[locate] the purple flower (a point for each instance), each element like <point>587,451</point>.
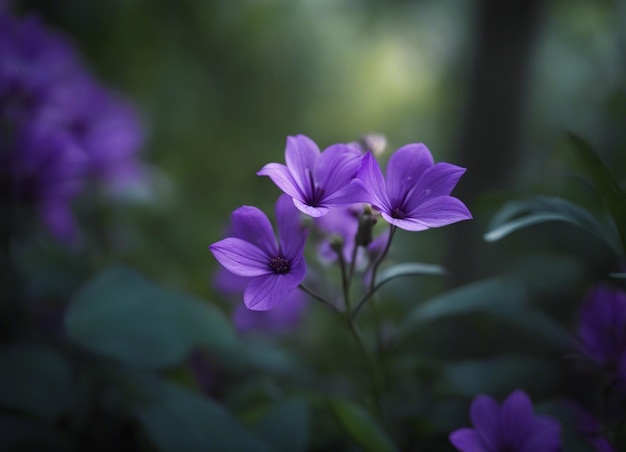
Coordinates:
<point>510,428</point>
<point>602,330</point>
<point>416,193</point>
<point>591,429</point>
<point>61,129</point>
<point>282,318</point>
<point>274,269</point>
<point>315,180</point>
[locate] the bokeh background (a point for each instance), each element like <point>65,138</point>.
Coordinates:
<point>491,86</point>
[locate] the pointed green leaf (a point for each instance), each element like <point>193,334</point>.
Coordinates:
<point>409,269</point>
<point>492,295</point>
<point>122,315</point>
<point>606,185</point>
<point>285,426</point>
<point>520,214</point>
<point>497,376</point>
<point>361,426</point>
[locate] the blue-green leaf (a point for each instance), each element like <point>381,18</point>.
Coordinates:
<point>122,315</point>
<point>606,185</point>
<point>497,376</point>
<point>285,426</point>
<point>618,275</point>
<point>408,269</point>
<point>520,214</point>
<point>492,295</point>
<point>176,418</point>
<point>36,381</point>
<point>361,426</point>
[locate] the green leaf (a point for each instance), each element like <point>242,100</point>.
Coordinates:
<point>36,381</point>
<point>409,269</point>
<point>606,185</point>
<point>122,315</point>
<point>520,214</point>
<point>175,418</point>
<point>285,426</point>
<point>497,376</point>
<point>492,295</point>
<point>361,426</point>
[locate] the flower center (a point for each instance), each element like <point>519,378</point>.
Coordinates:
<point>397,213</point>
<point>279,265</point>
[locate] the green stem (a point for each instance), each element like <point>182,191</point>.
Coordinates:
<point>319,298</point>
<point>373,286</point>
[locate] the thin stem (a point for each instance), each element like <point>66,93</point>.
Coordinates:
<point>319,298</point>
<point>371,366</point>
<point>345,280</point>
<point>373,286</point>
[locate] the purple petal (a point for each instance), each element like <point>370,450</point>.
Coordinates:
<point>405,167</point>
<point>439,180</point>
<point>290,229</point>
<point>227,283</point>
<point>284,317</point>
<point>485,415</point>
<point>336,167</point>
<point>408,224</point>
<point>252,225</point>
<point>241,257</point>
<point>310,210</point>
<point>283,179</point>
<point>516,418</point>
<point>370,180</point>
<point>301,153</point>
<point>267,291</point>
<point>59,219</point>
<point>440,211</point>
<point>545,436</point>
<point>352,193</point>
<point>468,440</point>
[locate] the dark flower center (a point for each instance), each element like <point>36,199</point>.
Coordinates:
<point>398,213</point>
<point>279,265</point>
<point>316,193</point>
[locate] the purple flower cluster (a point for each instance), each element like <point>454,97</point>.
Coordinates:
<point>602,330</point>
<point>327,185</point>
<point>512,427</point>
<point>61,129</point>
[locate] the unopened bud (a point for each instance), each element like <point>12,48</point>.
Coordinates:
<point>336,243</point>
<point>364,234</point>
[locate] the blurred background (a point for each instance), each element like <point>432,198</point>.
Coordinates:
<point>220,85</point>
<point>490,86</point>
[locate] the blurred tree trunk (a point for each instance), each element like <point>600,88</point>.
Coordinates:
<point>492,120</point>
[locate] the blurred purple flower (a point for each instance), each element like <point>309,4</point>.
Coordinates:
<point>416,193</point>
<point>283,317</point>
<point>591,429</point>
<point>344,222</point>
<point>274,269</point>
<point>315,180</point>
<point>61,129</point>
<point>512,428</point>
<point>602,330</point>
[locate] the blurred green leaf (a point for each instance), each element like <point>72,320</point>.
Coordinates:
<point>176,418</point>
<point>492,295</point>
<point>285,426</point>
<point>361,426</point>
<point>503,298</point>
<point>19,433</point>
<point>408,269</point>
<point>618,275</point>
<point>497,376</point>
<point>122,315</point>
<point>36,381</point>
<point>606,185</point>
<point>520,214</point>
